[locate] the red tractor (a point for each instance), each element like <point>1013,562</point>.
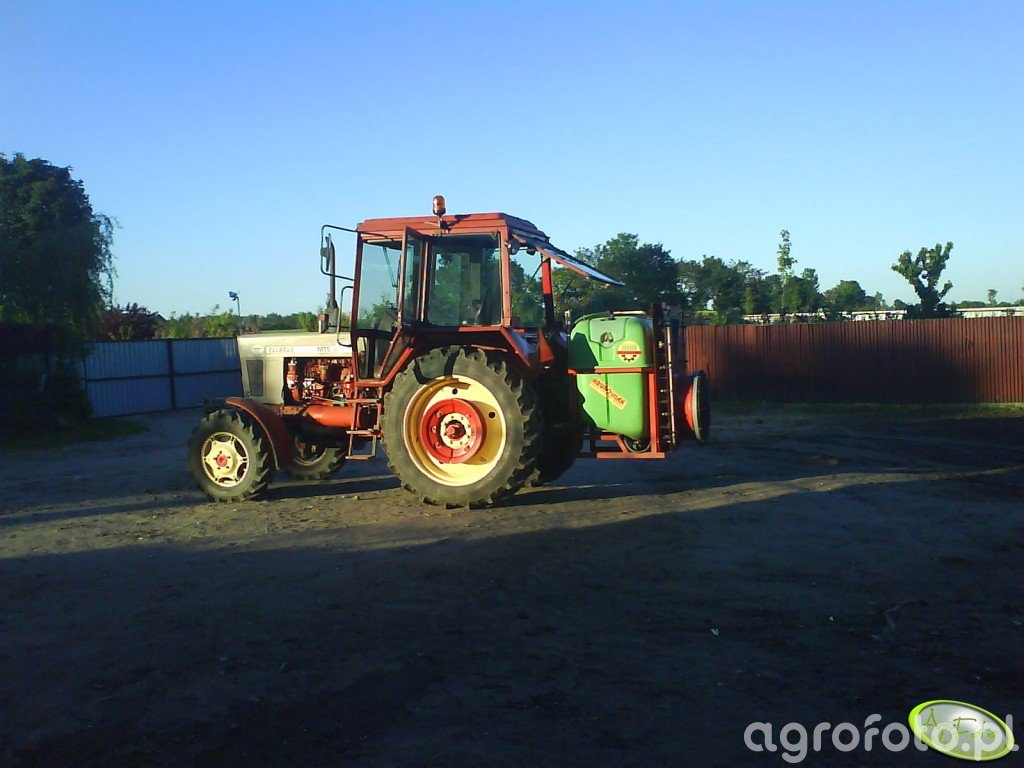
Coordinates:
<point>453,357</point>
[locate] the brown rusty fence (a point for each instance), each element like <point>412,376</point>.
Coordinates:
<point>906,361</point>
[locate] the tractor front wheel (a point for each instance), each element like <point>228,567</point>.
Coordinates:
<point>229,456</point>
<point>461,427</point>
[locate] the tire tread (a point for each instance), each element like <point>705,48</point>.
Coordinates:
<point>242,425</point>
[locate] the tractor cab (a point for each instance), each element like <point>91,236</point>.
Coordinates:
<point>431,278</point>
<point>444,281</point>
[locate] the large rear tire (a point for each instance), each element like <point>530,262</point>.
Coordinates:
<point>229,456</point>
<point>560,452</point>
<point>315,462</point>
<point>563,438</point>
<point>461,427</point>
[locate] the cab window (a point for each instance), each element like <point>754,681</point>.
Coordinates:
<point>527,296</point>
<point>465,280</point>
<point>378,285</point>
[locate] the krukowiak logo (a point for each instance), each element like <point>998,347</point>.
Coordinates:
<point>613,397</point>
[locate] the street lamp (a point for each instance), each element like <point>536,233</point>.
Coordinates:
<point>238,308</point>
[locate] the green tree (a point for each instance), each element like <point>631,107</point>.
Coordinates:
<point>129,322</point>
<point>788,297</point>
<point>786,260</point>
<point>845,296</point>
<point>801,294</point>
<point>726,284</point>
<point>273,321</point>
<point>55,260</point>
<point>798,293</point>
<point>307,321</point>
<point>647,269</point>
<point>923,272</point>
<point>176,327</point>
<point>527,294</point>
<point>731,289</point>
<point>217,324</point>
<point>694,280</point>
<point>992,293</point>
<point>760,288</point>
<point>214,324</point>
<point>572,291</point>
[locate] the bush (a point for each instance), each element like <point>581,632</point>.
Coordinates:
<point>41,400</point>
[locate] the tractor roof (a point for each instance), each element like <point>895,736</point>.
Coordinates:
<point>470,223</point>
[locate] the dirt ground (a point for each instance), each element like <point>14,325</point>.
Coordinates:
<point>801,568</point>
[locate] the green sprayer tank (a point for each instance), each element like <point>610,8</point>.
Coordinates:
<point>613,402</point>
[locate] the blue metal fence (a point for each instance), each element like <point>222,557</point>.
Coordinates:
<point>125,377</point>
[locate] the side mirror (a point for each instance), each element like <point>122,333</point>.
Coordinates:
<point>327,255</point>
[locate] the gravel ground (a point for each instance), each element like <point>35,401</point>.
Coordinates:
<point>800,568</point>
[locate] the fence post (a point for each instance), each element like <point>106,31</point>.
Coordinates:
<point>170,373</point>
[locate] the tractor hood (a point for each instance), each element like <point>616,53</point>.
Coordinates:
<point>576,264</point>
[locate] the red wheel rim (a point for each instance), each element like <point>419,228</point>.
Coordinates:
<point>452,431</point>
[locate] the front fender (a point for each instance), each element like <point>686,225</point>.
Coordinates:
<point>282,444</point>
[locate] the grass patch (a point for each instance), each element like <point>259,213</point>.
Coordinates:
<point>90,430</point>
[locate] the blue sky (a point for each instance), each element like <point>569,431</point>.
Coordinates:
<point>221,135</point>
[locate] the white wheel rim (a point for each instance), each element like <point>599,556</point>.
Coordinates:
<point>224,458</point>
<point>485,460</point>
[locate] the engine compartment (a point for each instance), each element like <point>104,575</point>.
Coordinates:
<point>318,379</point>
<point>296,368</point>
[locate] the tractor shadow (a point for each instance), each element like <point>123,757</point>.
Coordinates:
<point>300,489</point>
<point>115,507</point>
<point>356,476</point>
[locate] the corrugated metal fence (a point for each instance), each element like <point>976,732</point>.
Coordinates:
<point>954,360</point>
<point>907,361</point>
<point>124,377</point>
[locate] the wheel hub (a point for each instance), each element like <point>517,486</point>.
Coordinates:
<point>452,431</point>
<point>224,459</point>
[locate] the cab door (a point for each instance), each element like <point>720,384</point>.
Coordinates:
<point>411,291</point>
<point>411,298</point>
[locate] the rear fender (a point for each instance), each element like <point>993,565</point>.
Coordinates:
<point>281,441</point>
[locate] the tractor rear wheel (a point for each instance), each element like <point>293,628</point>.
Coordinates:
<point>559,454</point>
<point>315,462</point>
<point>229,456</point>
<point>461,427</point>
<point>562,439</point>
